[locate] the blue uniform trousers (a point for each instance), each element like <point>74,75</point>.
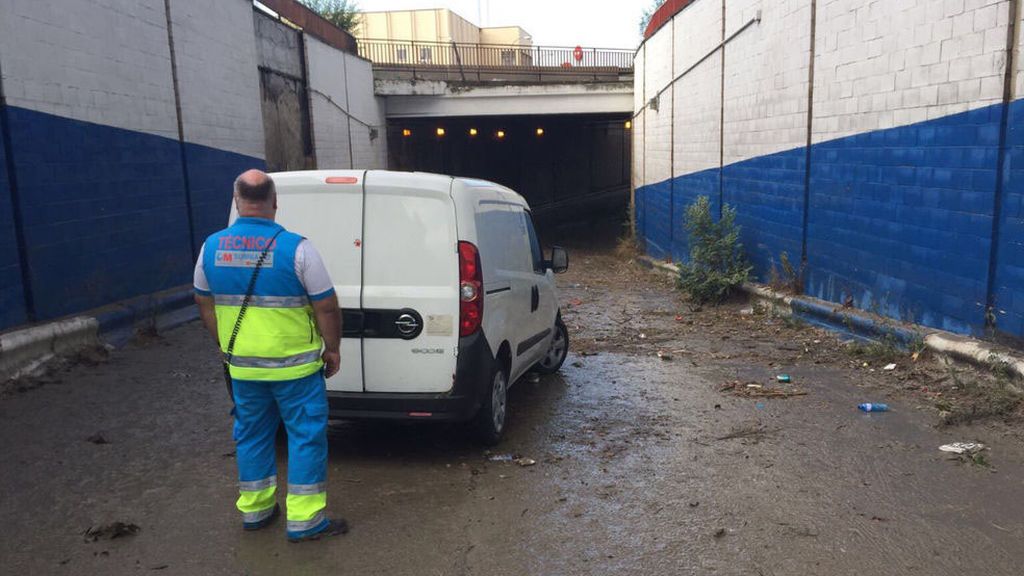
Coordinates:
<point>260,406</point>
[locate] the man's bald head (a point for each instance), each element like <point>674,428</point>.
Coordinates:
<point>254,186</point>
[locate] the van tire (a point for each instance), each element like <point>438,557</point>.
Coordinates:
<point>492,419</point>
<point>557,351</point>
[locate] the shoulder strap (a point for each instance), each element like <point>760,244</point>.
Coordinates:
<point>248,296</point>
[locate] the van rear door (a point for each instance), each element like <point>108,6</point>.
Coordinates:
<point>410,283</point>
<point>327,208</point>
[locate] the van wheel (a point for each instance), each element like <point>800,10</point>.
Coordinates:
<point>557,351</point>
<point>490,420</point>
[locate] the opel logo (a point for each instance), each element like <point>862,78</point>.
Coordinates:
<point>407,324</point>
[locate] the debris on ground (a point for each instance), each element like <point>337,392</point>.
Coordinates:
<point>755,390</point>
<point>509,457</point>
<point>577,364</point>
<point>747,312</point>
<point>110,531</point>
<point>873,407</point>
<point>664,355</point>
<point>783,378</point>
<point>963,447</point>
<point>720,533</point>
<point>97,438</point>
<point>889,367</point>
<point>755,432</point>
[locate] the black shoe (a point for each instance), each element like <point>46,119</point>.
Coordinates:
<point>334,527</point>
<point>265,522</point>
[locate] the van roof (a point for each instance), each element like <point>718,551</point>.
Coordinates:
<point>430,180</point>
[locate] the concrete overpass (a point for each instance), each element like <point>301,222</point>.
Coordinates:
<point>440,98</point>
<point>551,123</point>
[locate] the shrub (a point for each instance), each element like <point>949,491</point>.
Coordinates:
<point>717,264</point>
<point>789,280</point>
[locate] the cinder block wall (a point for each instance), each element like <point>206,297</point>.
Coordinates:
<point>697,104</point>
<point>887,166</point>
<point>12,295</point>
<point>220,103</point>
<point>344,109</point>
<point>1009,261</point>
<point>93,136</point>
<point>111,203</point>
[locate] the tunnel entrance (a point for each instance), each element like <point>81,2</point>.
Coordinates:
<point>574,170</point>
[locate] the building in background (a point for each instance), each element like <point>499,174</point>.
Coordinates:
<point>426,37</point>
<point>435,25</point>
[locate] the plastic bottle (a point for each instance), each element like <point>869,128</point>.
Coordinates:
<point>869,407</point>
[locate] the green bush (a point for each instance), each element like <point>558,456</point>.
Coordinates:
<point>717,264</point>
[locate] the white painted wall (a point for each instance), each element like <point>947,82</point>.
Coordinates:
<point>101,61</point>
<point>884,64</point>
<point>217,77</point>
<point>766,78</point>
<point>698,94</point>
<point>367,152</point>
<point>340,83</point>
<point>658,134</point>
<point>329,97</point>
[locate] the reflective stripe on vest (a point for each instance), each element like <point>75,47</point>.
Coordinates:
<point>261,301</point>
<point>278,338</point>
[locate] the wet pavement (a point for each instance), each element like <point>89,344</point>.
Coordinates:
<point>643,465</point>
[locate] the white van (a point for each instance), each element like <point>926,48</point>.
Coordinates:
<point>446,297</point>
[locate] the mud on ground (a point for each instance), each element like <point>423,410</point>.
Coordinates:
<point>643,464</point>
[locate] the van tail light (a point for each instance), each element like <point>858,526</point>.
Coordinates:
<point>471,284</point>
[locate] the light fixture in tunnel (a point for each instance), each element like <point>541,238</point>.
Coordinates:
<point>629,124</point>
<point>472,132</point>
<point>500,134</point>
<point>540,131</point>
<point>440,132</point>
<point>406,132</point>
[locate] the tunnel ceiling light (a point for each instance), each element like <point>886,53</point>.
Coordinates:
<point>540,131</point>
<point>500,134</point>
<point>440,132</point>
<point>472,132</point>
<point>629,124</point>
<point>406,132</point>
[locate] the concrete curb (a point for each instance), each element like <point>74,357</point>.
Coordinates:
<point>28,350</point>
<point>864,326</point>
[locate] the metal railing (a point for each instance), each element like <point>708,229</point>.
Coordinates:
<point>412,54</point>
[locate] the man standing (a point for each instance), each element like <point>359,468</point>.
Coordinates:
<point>276,365</point>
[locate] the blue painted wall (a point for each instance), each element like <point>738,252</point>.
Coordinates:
<point>768,195</point>
<point>12,296</point>
<point>211,176</point>
<point>657,205</point>
<point>685,190</point>
<point>104,210</point>
<point>1009,280</point>
<point>900,220</point>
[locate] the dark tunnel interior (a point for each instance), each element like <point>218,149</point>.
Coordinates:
<point>574,170</point>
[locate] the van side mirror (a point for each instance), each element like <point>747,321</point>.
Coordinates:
<point>559,260</point>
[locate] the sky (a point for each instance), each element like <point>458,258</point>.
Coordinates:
<point>588,23</point>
